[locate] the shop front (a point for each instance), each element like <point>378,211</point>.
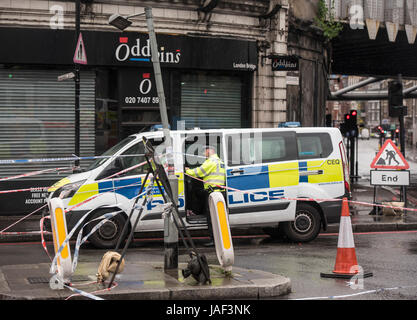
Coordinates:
<point>207,84</point>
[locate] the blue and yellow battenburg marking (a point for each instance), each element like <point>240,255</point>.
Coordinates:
<point>272,176</point>
<point>285,174</point>
<point>128,188</point>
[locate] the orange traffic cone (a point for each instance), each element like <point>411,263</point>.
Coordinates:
<point>346,264</point>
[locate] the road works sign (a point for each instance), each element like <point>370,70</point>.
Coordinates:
<point>390,177</point>
<point>389,157</point>
<point>80,56</point>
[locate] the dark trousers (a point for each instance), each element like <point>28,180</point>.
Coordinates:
<point>203,196</point>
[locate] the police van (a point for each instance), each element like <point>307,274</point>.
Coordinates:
<point>268,174</point>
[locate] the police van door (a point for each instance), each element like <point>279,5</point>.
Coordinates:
<point>128,184</point>
<point>261,173</point>
<point>193,146</point>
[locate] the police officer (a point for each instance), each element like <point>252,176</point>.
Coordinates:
<point>212,172</point>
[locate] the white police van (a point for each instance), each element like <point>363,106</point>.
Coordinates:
<point>268,171</point>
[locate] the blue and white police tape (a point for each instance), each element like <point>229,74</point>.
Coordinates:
<point>83,293</point>
<point>105,218</point>
<point>80,292</point>
<point>357,293</point>
<point>43,189</point>
<point>53,268</point>
<point>148,192</point>
<point>35,173</point>
<point>74,158</point>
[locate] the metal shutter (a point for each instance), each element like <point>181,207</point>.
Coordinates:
<point>211,102</point>
<point>37,119</point>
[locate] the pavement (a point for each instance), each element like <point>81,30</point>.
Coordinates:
<point>142,279</point>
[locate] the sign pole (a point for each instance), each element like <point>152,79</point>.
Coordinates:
<point>402,141</point>
<point>170,229</point>
<point>390,157</point>
<point>77,86</point>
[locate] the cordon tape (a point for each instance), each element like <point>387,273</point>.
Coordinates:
<point>105,217</point>
<point>357,293</point>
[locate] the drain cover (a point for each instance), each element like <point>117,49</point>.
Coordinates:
<point>39,280</point>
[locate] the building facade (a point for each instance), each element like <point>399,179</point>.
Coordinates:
<point>219,67</point>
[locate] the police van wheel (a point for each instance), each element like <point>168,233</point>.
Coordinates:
<point>108,234</point>
<point>306,225</point>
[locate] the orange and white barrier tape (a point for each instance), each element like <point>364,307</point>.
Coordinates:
<point>43,242</point>
<point>309,199</point>
<point>90,295</point>
<point>125,170</point>
<point>33,189</point>
<point>42,189</point>
<point>34,173</point>
<point>20,220</point>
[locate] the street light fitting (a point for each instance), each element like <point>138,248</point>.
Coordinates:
<point>119,21</point>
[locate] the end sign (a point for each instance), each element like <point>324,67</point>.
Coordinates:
<point>390,178</point>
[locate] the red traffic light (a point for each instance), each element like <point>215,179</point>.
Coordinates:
<point>347,117</point>
<point>397,130</point>
<point>354,113</point>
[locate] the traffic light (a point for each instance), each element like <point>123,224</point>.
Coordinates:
<point>344,126</point>
<point>350,128</point>
<point>354,117</point>
<point>328,120</point>
<point>354,122</point>
<point>381,131</point>
<point>342,129</point>
<point>347,117</point>
<point>395,99</point>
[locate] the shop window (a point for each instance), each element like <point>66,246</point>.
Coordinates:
<point>211,101</point>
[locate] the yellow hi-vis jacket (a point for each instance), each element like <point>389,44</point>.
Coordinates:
<point>212,172</point>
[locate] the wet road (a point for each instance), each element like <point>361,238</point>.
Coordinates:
<point>391,256</point>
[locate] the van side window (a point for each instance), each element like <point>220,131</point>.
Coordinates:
<point>260,147</point>
<point>129,158</point>
<point>314,145</point>
<point>132,156</point>
<point>194,147</point>
<point>278,146</point>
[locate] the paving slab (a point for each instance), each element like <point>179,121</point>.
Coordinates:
<point>143,281</point>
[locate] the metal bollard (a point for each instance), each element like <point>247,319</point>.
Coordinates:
<point>59,233</point>
<point>221,231</point>
<point>171,231</point>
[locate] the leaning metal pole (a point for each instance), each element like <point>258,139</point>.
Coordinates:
<point>170,230</point>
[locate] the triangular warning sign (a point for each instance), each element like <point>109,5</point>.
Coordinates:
<point>389,157</point>
<point>80,56</point>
